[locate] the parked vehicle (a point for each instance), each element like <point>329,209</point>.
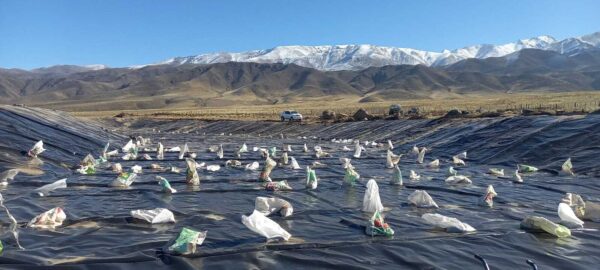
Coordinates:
<point>291,116</point>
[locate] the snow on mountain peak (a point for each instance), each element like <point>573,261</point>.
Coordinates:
<point>353,57</point>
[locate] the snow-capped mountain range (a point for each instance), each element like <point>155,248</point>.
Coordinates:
<point>355,57</point>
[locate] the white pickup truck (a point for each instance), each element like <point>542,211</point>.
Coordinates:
<point>291,116</point>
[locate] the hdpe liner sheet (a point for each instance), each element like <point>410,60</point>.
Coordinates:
<point>327,226</point>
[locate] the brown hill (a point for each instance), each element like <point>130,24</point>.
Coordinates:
<point>166,86</point>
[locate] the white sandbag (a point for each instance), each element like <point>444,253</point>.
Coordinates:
<point>457,161</point>
<point>160,152</point>
<point>46,189</point>
<point>575,201</point>
<point>396,177</point>
<point>220,152</point>
<point>129,147</point>
<point>8,175</point>
<point>458,179</point>
<point>452,171</point>
<point>345,162</point>
<point>295,165</point>
<point>414,176</point>
<point>105,150</point>
<point>213,168</point>
<point>420,198</point>
<point>287,148</point>
<point>518,178</point>
<point>37,149</point>
<point>259,223</point>
<point>284,159</point>
<point>346,149</point>
<point>116,167</point>
<point>191,174</point>
<point>567,215</point>
<point>392,159</point>
<point>451,225</point>
<point>49,219</point>
<point>321,153</point>
<point>305,148</point>
<point>390,145</point>
<point>252,166</point>
<point>567,167</point>
<point>136,169</point>
<point>154,216</point>
<point>183,151</point>
<point>156,167</point>
<point>243,148</point>
<point>165,185</point>
<point>111,153</point>
<point>268,206</point>
<point>488,198</point>
<point>462,155</point>
<point>434,164</point>
<point>174,149</point>
<point>233,163</point>
<point>496,172</point>
<point>371,200</point>
<point>415,150</point>
<point>357,149</point>
<point>421,155</point>
<point>526,168</point>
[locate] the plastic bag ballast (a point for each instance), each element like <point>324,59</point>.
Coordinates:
<point>392,160</point>
<point>377,226</point>
<point>311,178</point>
<point>154,216</point>
<point>124,179</point>
<point>186,241</point>
<point>266,172</point>
<point>37,149</point>
<point>371,200</point>
<point>351,176</point>
<point>396,176</point>
<point>451,225</point>
<point>165,185</point>
<point>488,198</point>
<point>49,219</point>
<point>537,224</point>
<point>268,206</point>
<point>421,198</point>
<point>191,174</point>
<point>259,223</point>
<point>160,152</point>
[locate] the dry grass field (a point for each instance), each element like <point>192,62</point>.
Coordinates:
<point>312,109</point>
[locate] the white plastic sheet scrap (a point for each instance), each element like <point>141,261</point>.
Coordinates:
<point>46,189</point>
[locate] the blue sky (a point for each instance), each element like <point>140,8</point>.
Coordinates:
<point>129,32</point>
